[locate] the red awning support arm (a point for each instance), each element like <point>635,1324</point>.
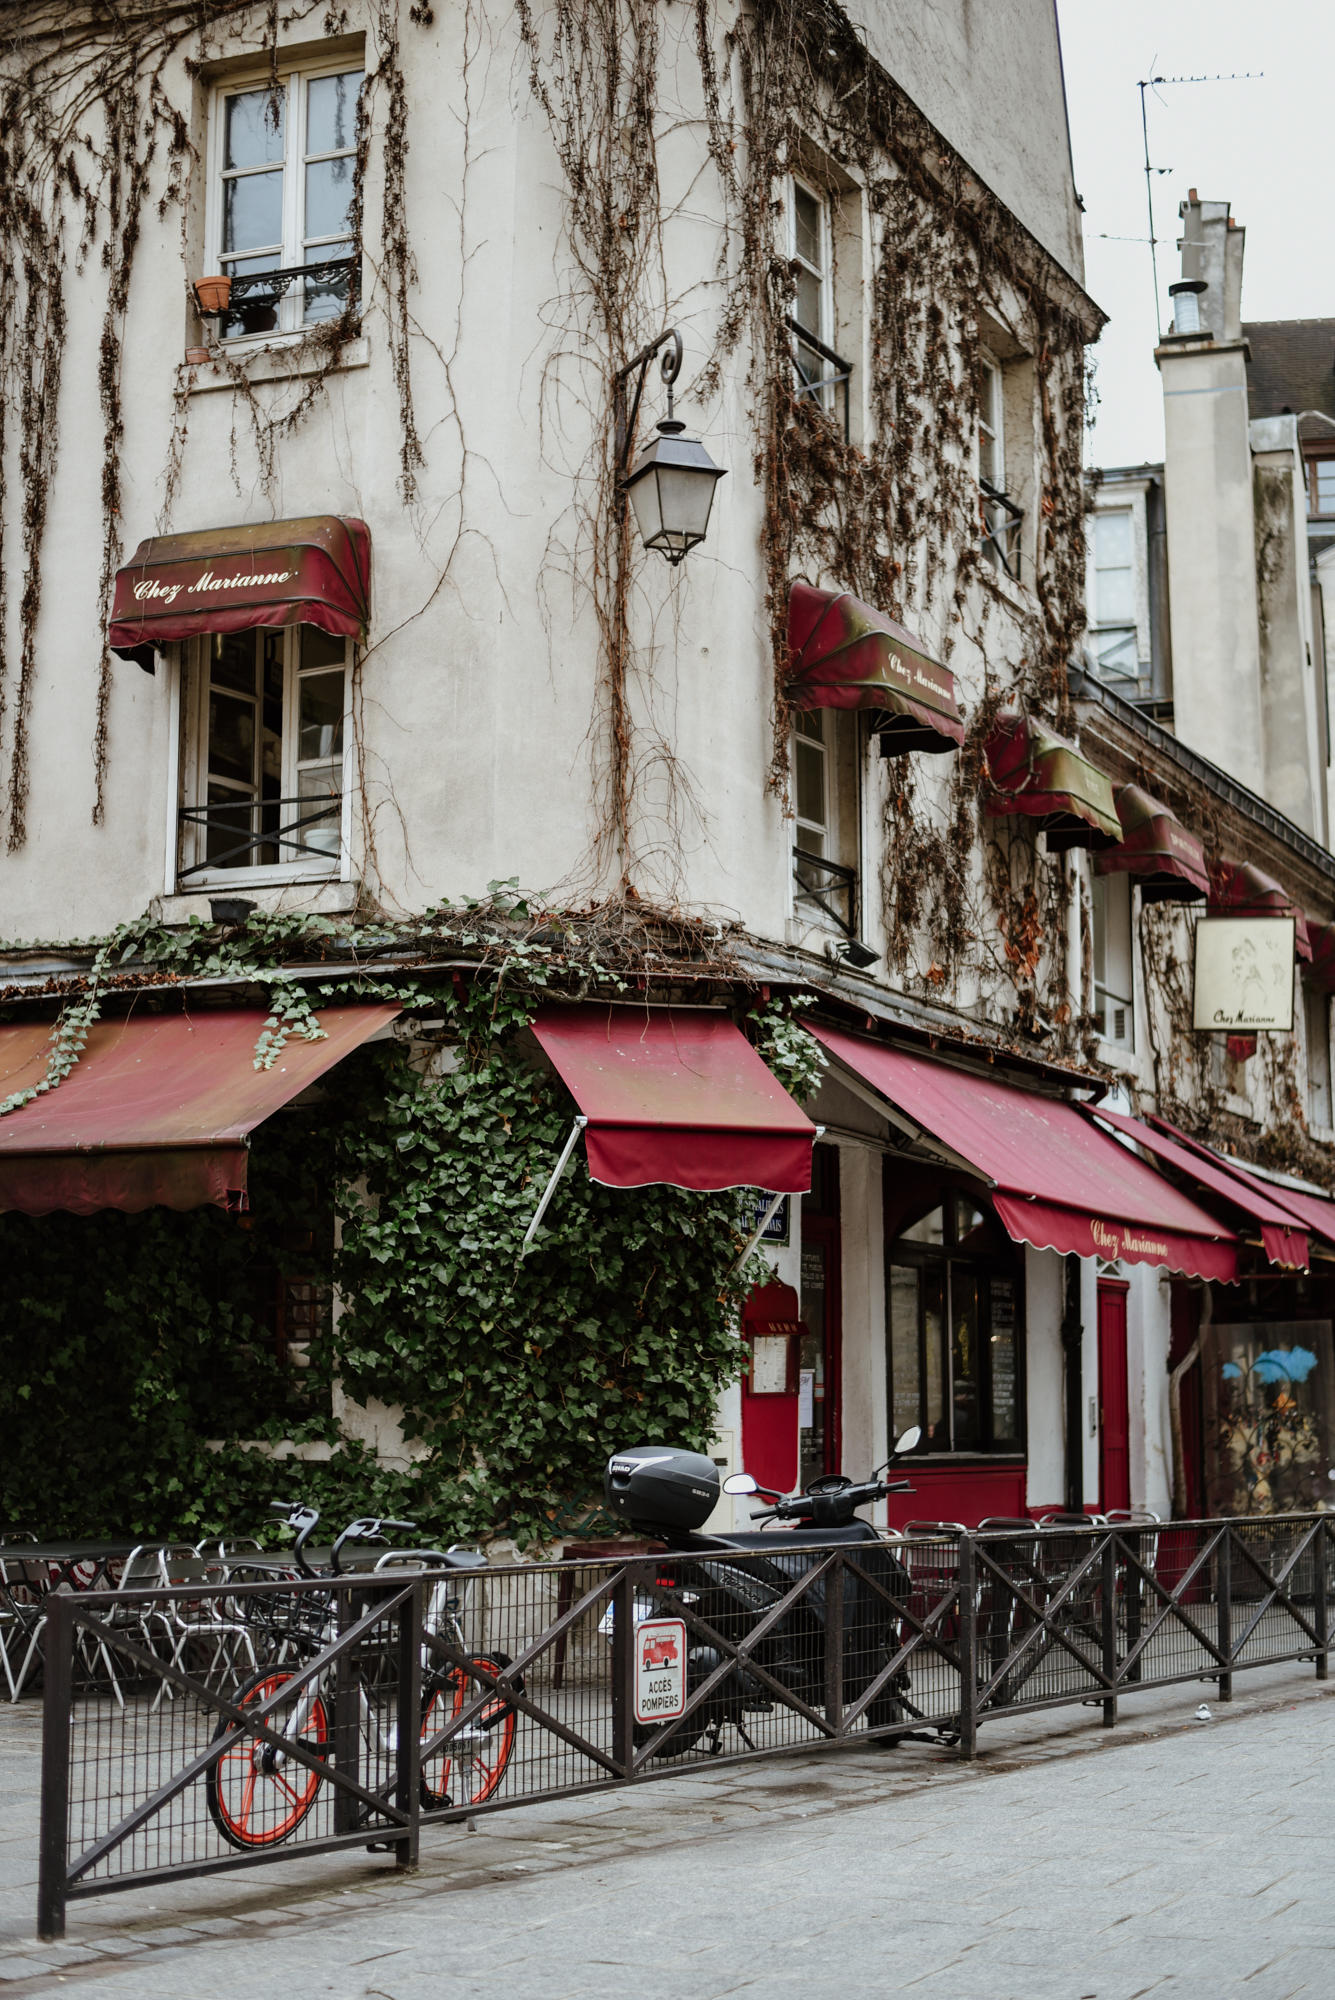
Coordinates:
<point>764,1222</point>
<point>580,1122</point>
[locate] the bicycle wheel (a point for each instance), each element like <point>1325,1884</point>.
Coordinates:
<point>256,1797</point>
<point>480,1752</point>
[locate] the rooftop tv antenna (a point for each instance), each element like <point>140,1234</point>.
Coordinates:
<point>1152,83</point>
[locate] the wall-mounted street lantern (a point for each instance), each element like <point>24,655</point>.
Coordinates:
<point>671,484</point>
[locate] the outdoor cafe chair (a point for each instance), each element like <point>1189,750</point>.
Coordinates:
<point>191,1624</point>
<point>22,1590</point>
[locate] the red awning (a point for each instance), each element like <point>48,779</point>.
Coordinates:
<point>845,654</point>
<point>157,1109</point>
<point>1245,891</point>
<point>1312,1212</point>
<point>676,1095</point>
<point>1038,773</point>
<point>1059,1182</point>
<point>1285,1243</point>
<point>315,571</point>
<point>1321,937</point>
<point>1167,861</point>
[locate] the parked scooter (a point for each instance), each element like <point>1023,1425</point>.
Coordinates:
<point>669,1495</point>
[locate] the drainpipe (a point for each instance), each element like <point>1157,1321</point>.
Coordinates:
<point>1073,1336</point>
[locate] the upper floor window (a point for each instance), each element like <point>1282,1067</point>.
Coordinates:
<point>281,209</point>
<point>1112,610</point>
<point>263,779</point>
<point>826,757</point>
<point>1321,486</point>
<point>1001,517</point>
<point>819,373</point>
<point>1114,977</point>
<point>1316,1022</point>
<point>953,1291</point>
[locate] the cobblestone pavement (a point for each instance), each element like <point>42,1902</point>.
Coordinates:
<point>1184,1859</point>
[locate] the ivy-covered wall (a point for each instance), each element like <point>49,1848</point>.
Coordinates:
<point>137,1379</point>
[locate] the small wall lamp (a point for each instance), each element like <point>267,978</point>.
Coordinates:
<point>671,484</point>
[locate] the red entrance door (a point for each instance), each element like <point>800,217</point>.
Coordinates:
<point>1114,1398</point>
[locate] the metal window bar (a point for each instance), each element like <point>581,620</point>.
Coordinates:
<point>1001,525</point>
<point>805,385</point>
<point>255,293</point>
<point>820,881</point>
<point>213,818</point>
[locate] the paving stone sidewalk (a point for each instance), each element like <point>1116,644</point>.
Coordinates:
<point>1172,1857</point>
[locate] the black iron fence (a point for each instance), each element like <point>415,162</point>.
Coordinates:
<point>221,1724</point>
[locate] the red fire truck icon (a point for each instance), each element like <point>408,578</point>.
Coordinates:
<point>660,1650</point>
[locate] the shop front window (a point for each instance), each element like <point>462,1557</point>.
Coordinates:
<point>953,1293</point>
<point>1268,1416</point>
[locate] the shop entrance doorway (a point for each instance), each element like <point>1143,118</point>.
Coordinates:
<point>819,1442</point>
<point>1114,1398</point>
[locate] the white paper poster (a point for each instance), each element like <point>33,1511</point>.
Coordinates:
<point>806,1399</point>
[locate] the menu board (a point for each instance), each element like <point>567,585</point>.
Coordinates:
<point>1002,1350</point>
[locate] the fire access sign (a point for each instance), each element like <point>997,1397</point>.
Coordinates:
<point>660,1669</point>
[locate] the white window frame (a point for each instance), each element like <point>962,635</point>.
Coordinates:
<point>1000,529</point>
<point>1099,626</point>
<point>295,77</point>
<point>1316,1020</point>
<point>1107,1000</point>
<point>824,276</point>
<point>187,838</point>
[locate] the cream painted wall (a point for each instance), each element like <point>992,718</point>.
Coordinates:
<point>989,77</point>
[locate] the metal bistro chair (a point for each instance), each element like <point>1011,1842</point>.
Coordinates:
<point>1001,1610</point>
<point>192,1623</point>
<point>932,1571</point>
<point>23,1588</point>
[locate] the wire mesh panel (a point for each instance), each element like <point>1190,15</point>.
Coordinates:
<point>219,1721</point>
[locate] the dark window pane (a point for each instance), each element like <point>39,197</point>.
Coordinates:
<point>321,649</point>
<point>331,111</point>
<point>232,661</point>
<point>937,1424</point>
<point>328,196</point>
<point>232,738</point>
<point>228,827</point>
<point>255,120</point>
<point>806,225</point>
<point>807,305</point>
<point>931,1228</point>
<point>320,720</point>
<point>253,211</point>
<point>964,1358</point>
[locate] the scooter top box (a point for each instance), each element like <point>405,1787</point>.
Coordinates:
<point>655,1486</point>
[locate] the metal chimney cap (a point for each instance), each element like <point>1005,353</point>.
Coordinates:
<point>1187,285</point>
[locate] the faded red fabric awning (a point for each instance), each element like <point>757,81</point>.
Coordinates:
<point>1321,937</point>
<point>845,654</point>
<point>1284,1241</point>
<point>1059,1182</point>
<point>1167,861</point>
<point>1312,1212</point>
<point>1038,773</point>
<point>315,571</point>
<point>1245,891</point>
<point>157,1109</point>
<point>676,1095</point>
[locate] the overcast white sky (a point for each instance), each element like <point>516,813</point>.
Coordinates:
<point>1264,146</point>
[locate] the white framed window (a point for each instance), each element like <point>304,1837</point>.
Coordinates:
<point>1316,1021</point>
<point>1112,610</point>
<point>264,791</point>
<point>1114,969</point>
<point>1000,517</point>
<point>820,375</point>
<point>826,808</point>
<point>282,180</point>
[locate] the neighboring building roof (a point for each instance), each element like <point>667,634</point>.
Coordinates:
<point>1292,370</point>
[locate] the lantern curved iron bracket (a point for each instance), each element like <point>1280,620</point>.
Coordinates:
<point>669,340</point>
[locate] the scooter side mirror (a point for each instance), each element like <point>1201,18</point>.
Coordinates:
<point>909,1441</point>
<point>740,1482</point>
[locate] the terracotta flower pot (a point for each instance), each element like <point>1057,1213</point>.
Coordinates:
<point>196,356</point>
<point>212,294</point>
